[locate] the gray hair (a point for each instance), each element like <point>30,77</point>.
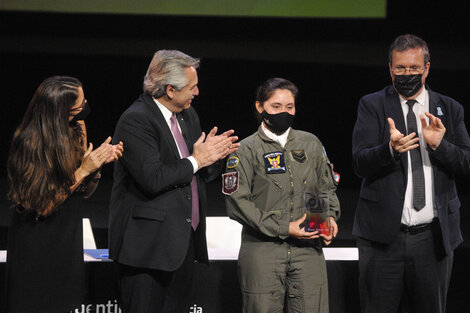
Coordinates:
<point>408,41</point>
<point>167,68</point>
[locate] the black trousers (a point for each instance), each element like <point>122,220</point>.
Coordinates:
<point>409,275</point>
<point>154,291</point>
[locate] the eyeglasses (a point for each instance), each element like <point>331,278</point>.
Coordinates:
<point>79,108</point>
<point>400,70</point>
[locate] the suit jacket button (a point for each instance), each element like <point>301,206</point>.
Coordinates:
<point>188,196</point>
<point>188,220</point>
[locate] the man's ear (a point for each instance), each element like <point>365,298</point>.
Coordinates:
<point>170,91</point>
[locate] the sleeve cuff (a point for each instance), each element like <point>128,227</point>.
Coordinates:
<point>284,228</point>
<point>393,153</point>
<point>441,152</point>
<point>194,163</point>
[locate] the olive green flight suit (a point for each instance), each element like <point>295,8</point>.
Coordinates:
<point>274,269</point>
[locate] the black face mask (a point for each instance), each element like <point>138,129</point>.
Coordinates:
<point>408,85</point>
<point>82,114</point>
<point>278,123</point>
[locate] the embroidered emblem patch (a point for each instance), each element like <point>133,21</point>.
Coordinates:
<point>336,176</point>
<point>274,162</point>
<point>229,183</point>
<point>299,155</point>
<point>232,162</point>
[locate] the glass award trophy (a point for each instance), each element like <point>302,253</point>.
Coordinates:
<point>317,209</point>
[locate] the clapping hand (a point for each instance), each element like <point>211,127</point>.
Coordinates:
<point>115,152</point>
<point>399,142</point>
<point>105,153</point>
<point>208,150</point>
<point>434,132</point>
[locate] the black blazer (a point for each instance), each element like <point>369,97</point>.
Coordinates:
<point>150,207</point>
<point>384,178</point>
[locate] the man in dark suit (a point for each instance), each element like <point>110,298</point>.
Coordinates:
<point>158,201</point>
<point>408,144</point>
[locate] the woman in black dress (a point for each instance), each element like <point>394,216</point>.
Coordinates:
<point>51,168</point>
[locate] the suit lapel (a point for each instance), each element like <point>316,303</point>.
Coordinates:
<point>433,105</point>
<point>435,108</point>
<point>438,110</point>
<point>393,109</point>
<point>162,125</point>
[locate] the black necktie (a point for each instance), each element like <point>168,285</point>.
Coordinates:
<point>419,199</point>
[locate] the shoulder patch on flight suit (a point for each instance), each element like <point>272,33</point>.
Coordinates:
<point>299,155</point>
<point>336,176</point>
<point>230,183</point>
<point>274,162</point>
<point>232,162</point>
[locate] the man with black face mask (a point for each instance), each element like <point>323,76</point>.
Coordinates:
<point>408,143</point>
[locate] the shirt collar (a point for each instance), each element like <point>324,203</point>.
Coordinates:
<point>420,99</point>
<point>166,113</point>
<point>279,138</point>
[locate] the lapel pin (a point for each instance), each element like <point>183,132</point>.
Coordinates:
<point>439,111</point>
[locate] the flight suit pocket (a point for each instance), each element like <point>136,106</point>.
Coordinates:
<point>310,300</point>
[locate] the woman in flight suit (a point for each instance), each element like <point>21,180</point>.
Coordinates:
<point>280,264</point>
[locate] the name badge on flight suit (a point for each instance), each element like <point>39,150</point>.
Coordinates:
<point>274,163</point>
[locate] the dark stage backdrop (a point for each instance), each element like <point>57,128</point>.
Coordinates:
<point>333,61</point>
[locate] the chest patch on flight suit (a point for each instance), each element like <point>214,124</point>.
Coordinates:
<point>274,162</point>
<point>299,155</point>
<point>230,183</point>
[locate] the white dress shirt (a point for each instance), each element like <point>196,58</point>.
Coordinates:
<point>411,216</point>
<point>282,139</point>
<point>167,116</point>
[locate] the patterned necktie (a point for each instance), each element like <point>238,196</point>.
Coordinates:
<point>419,199</point>
<point>184,154</point>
